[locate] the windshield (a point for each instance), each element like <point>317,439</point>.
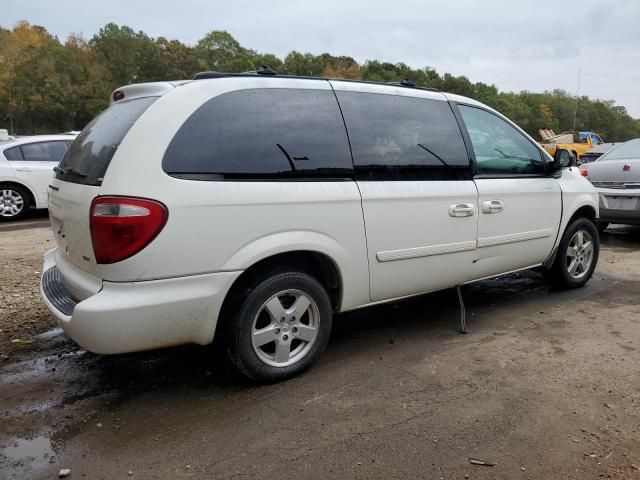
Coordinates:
<point>89,156</point>
<point>627,150</point>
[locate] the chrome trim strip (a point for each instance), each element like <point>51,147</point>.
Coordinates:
<point>416,252</point>
<point>514,237</point>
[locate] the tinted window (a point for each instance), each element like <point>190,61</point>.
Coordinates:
<point>13,153</point>
<point>269,133</point>
<point>627,150</point>
<point>403,138</point>
<point>499,148</point>
<point>89,156</point>
<point>44,151</point>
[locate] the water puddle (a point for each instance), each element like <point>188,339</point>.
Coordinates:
<point>28,454</point>
<point>54,332</point>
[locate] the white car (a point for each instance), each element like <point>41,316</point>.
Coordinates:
<point>252,207</point>
<point>26,170</point>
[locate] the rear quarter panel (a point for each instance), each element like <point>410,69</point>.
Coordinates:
<point>228,225</point>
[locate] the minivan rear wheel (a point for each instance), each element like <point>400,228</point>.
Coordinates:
<point>280,327</point>
<point>14,202</point>
<point>577,255</point>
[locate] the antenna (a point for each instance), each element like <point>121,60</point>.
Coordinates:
<point>575,111</point>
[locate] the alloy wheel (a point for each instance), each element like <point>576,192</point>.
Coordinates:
<point>285,328</point>
<point>11,203</point>
<point>580,254</point>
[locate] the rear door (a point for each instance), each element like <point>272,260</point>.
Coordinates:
<point>520,204</point>
<point>418,198</point>
<point>35,164</point>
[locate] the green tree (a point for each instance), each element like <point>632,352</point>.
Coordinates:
<point>128,56</point>
<point>219,51</point>
<point>266,60</point>
<point>46,86</point>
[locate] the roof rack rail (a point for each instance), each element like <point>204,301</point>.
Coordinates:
<point>265,70</point>
<point>408,83</point>
<point>403,83</point>
<point>211,74</point>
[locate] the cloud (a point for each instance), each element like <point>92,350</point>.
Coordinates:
<point>525,45</point>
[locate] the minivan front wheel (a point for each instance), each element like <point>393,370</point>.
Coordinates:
<point>280,327</point>
<point>577,255</point>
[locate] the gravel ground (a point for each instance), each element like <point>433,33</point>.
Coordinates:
<point>22,314</point>
<point>545,385</point>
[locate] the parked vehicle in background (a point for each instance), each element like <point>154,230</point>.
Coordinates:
<point>596,152</point>
<point>26,170</point>
<point>4,135</point>
<point>616,176</point>
<point>577,142</point>
<point>270,203</point>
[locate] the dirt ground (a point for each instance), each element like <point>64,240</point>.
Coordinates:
<point>545,385</point>
<point>22,314</point>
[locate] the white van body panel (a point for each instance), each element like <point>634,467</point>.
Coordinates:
<point>524,231</point>
<point>415,245</point>
<point>234,219</point>
<point>577,192</point>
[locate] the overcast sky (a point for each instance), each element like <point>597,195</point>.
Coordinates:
<point>516,45</point>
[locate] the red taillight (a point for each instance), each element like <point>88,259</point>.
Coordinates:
<point>117,95</point>
<point>584,171</point>
<point>122,226</point>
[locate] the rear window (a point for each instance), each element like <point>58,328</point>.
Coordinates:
<point>262,134</point>
<point>627,150</point>
<point>13,153</point>
<point>88,158</point>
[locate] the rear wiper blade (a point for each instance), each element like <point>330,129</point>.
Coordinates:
<point>70,171</point>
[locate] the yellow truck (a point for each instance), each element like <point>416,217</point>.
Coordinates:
<point>576,142</point>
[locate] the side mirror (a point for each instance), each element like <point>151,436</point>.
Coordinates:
<point>563,159</point>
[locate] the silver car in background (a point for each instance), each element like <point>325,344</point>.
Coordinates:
<point>616,176</point>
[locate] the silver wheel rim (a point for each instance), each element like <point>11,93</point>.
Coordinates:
<point>285,328</point>
<point>11,203</point>
<point>580,254</point>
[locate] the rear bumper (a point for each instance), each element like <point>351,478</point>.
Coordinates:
<point>630,217</point>
<point>135,316</point>
<point>619,206</point>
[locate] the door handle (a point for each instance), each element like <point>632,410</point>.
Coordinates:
<point>492,206</point>
<point>22,169</point>
<point>461,210</point>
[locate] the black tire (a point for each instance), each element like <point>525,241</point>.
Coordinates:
<point>558,275</point>
<point>250,306</point>
<point>23,194</point>
<point>602,226</point>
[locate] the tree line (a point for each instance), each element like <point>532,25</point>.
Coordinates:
<point>47,85</point>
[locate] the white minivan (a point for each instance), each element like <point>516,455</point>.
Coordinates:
<point>252,207</point>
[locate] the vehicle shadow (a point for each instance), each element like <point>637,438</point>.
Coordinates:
<point>427,321</point>
<point>35,218</point>
<point>433,317</point>
<point>623,237</point>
